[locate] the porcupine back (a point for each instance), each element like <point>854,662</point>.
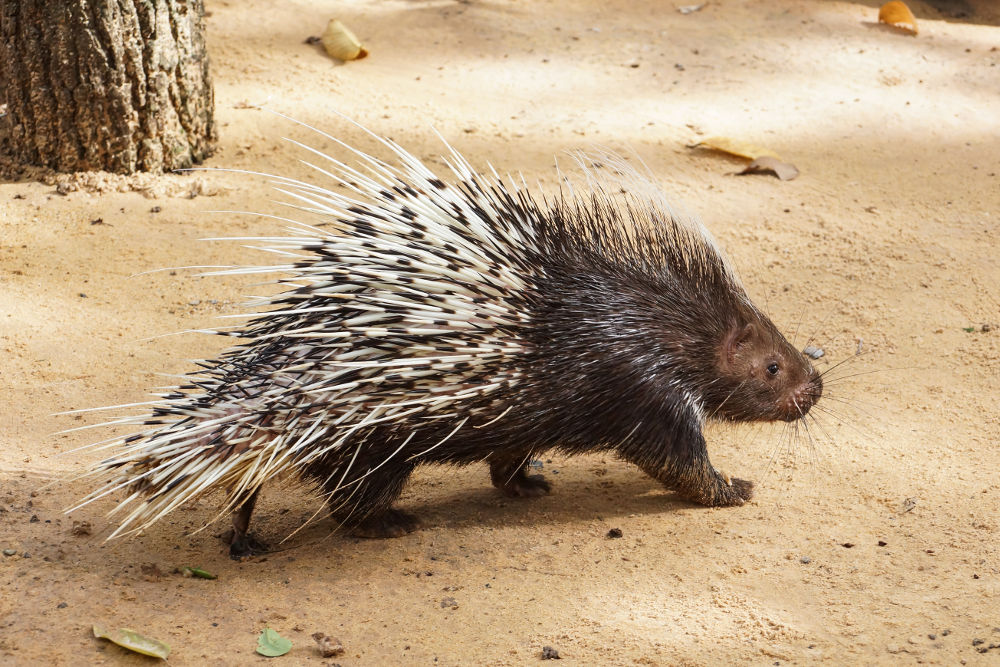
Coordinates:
<point>414,316</point>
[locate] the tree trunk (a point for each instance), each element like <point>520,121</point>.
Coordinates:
<point>114,85</point>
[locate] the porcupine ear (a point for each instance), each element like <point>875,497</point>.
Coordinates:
<point>738,340</point>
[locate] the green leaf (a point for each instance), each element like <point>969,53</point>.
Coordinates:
<point>133,641</point>
<point>271,644</point>
<point>198,572</point>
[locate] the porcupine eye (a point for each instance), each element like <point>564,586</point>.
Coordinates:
<point>772,368</point>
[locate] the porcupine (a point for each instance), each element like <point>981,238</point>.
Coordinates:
<point>462,322</point>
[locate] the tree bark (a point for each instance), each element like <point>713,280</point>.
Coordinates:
<point>114,85</point>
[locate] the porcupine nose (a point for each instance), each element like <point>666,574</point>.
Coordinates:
<point>804,397</point>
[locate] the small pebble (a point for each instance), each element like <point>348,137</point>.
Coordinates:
<point>80,528</point>
<point>813,352</point>
<point>549,653</point>
<point>328,646</point>
<point>61,605</point>
<point>975,642</point>
<point>449,603</point>
<point>932,636</point>
<point>614,533</point>
<point>9,552</point>
<point>805,560</point>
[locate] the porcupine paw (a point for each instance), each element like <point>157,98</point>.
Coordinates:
<point>526,486</point>
<point>718,490</point>
<point>731,492</point>
<point>244,547</point>
<point>390,523</point>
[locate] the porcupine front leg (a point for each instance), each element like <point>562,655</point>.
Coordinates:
<point>242,545</point>
<point>678,459</point>
<point>508,474</point>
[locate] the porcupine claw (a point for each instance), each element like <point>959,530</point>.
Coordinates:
<point>736,492</point>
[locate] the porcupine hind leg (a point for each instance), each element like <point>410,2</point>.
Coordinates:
<point>242,544</point>
<point>678,459</point>
<point>508,474</point>
<point>366,511</point>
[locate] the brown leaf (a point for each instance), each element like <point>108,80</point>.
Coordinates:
<point>769,165</point>
<point>735,147</point>
<point>898,15</point>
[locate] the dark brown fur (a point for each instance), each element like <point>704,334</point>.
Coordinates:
<point>632,344</point>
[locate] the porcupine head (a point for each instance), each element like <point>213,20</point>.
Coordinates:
<point>464,323</point>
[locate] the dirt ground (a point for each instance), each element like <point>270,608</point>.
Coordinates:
<point>872,539</point>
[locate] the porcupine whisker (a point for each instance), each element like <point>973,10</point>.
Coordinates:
<point>842,420</point>
<point>840,363</point>
<point>857,405</point>
<point>877,370</point>
<point>805,427</point>
<point>775,450</point>
<point>841,416</point>
<point>813,456</point>
<point>819,426</point>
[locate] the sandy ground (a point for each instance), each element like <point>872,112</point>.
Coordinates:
<point>872,541</point>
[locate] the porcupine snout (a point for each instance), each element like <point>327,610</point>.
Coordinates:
<point>801,399</point>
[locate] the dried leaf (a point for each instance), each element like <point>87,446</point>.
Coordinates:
<point>735,147</point>
<point>770,165</point>
<point>898,15</point>
<point>341,43</point>
<point>271,644</point>
<point>133,641</point>
<point>690,9</point>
